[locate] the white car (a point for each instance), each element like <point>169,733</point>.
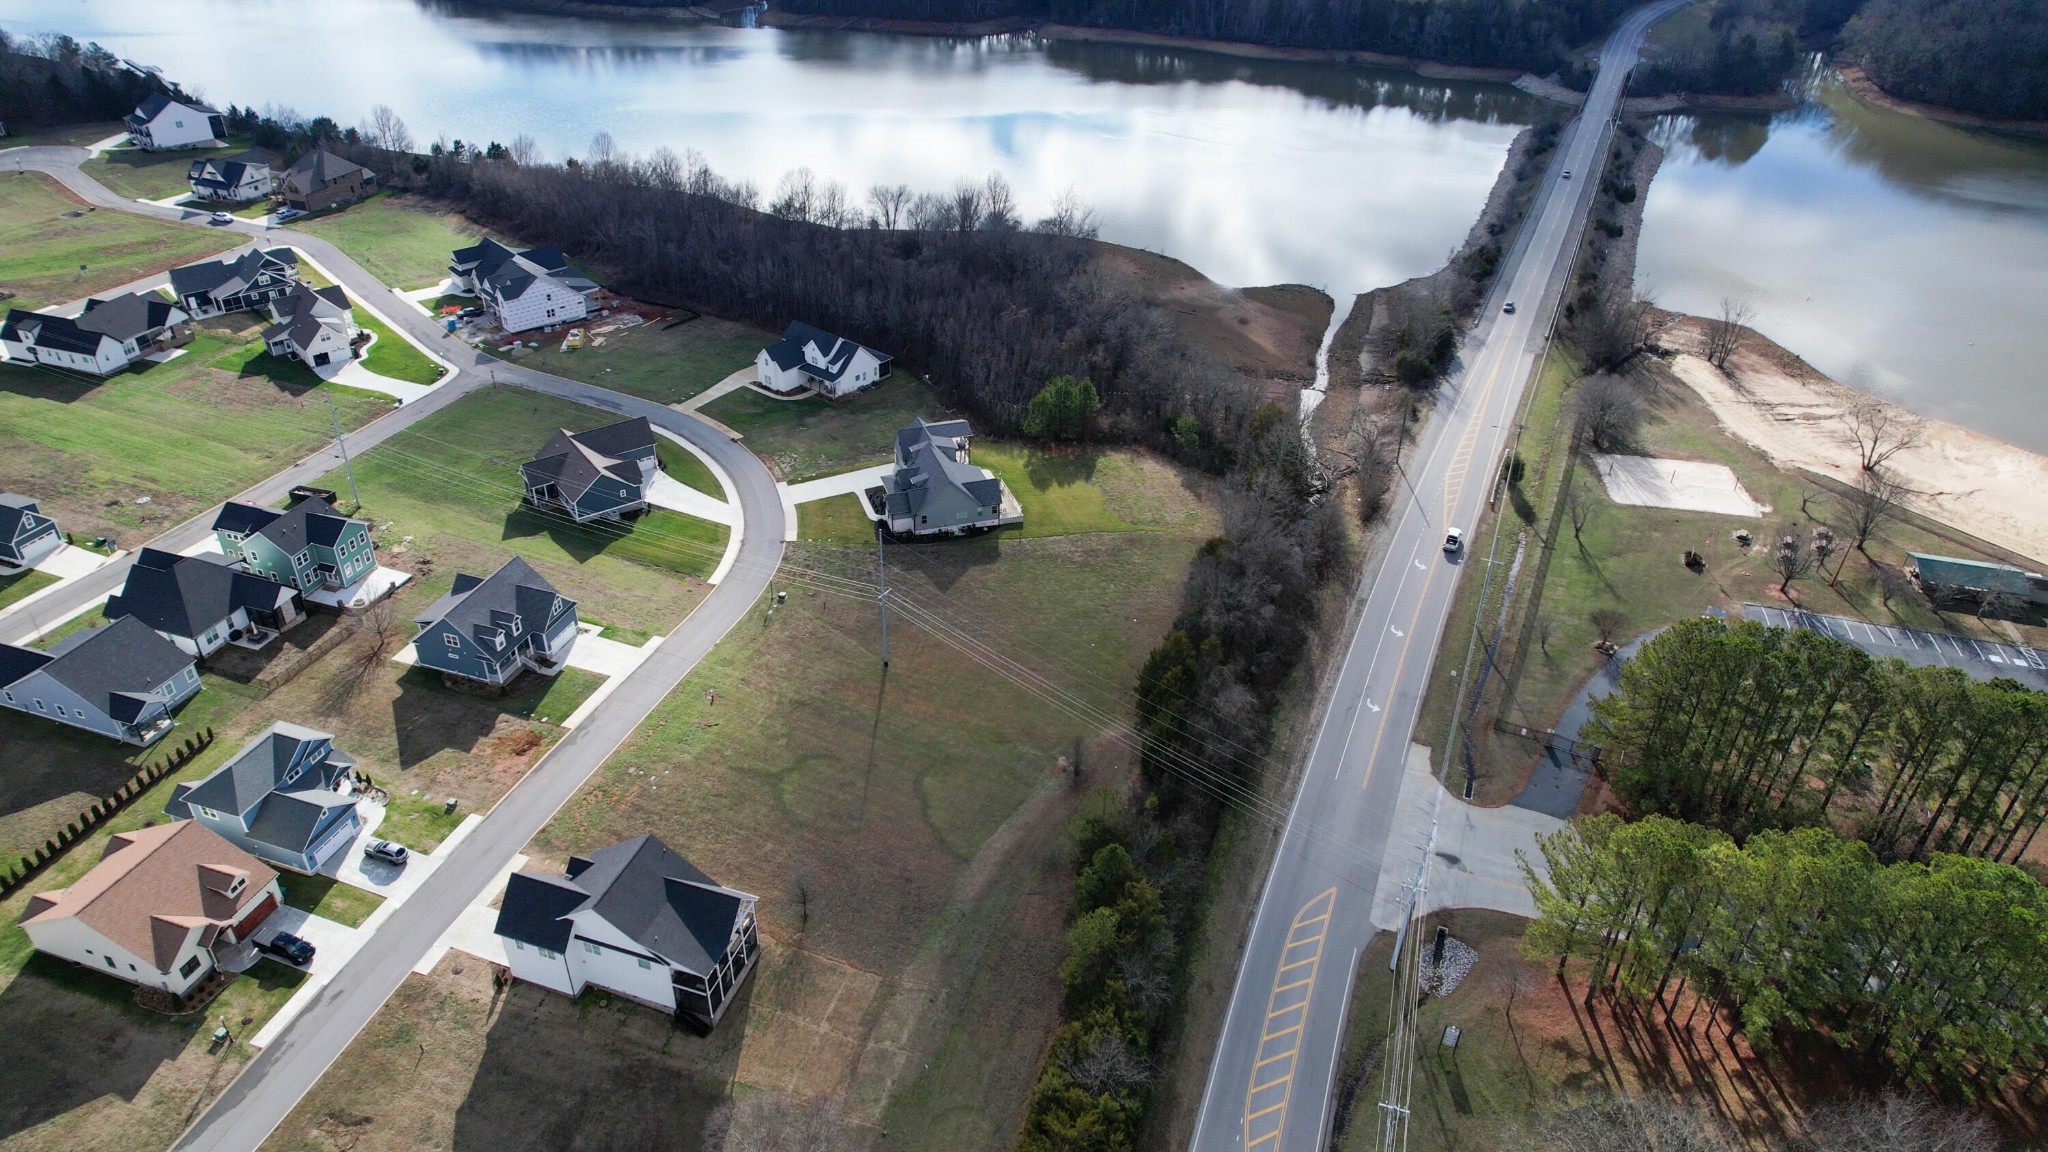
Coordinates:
<point>221,218</point>
<point>1454,540</point>
<point>1510,309</point>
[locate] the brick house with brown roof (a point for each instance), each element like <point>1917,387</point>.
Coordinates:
<point>156,906</point>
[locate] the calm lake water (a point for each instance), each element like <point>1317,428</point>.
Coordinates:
<point>1891,252</point>
<point>1255,173</point>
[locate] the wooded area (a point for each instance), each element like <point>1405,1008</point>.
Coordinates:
<point>50,80</point>
<point>1930,969</point>
<point>1748,728</point>
<point>1983,56</point>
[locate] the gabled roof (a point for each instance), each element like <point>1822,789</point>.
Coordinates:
<point>154,885</point>
<point>480,608</point>
<point>510,271</point>
<point>641,887</point>
<point>186,595</point>
<point>13,510</point>
<point>154,104</point>
<point>225,278</point>
<point>114,668</point>
<point>928,461</point>
<point>229,172</point>
<point>284,814</point>
<point>310,521</point>
<point>573,461</point>
<point>319,168</point>
<point>1975,575</point>
<point>303,312</point>
<point>821,355</point>
<point>129,315</point>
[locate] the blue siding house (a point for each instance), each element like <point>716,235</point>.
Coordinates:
<point>602,474</point>
<point>122,681</point>
<point>278,799</point>
<point>490,629</point>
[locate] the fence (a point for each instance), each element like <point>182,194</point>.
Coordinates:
<point>99,812</point>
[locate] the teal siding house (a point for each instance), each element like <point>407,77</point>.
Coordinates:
<point>308,546</point>
<point>490,629</point>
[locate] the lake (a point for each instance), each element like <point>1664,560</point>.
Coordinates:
<point>1891,252</point>
<point>1253,172</point>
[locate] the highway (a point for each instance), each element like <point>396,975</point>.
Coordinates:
<point>1271,1077</point>
<point>272,1083</point>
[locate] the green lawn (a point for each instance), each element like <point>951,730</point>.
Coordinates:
<point>329,898</point>
<point>46,235</point>
<point>142,175</point>
<point>558,697</point>
<point>22,585</point>
<point>663,361</point>
<point>682,465</point>
<point>419,822</point>
<point>90,618</point>
<point>805,439</point>
<point>183,434</point>
<point>403,241</point>
<point>838,520</point>
<point>76,135</point>
<point>452,481</point>
<point>393,356</point>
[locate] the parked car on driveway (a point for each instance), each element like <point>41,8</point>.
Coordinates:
<point>289,214</point>
<point>288,948</point>
<point>386,851</point>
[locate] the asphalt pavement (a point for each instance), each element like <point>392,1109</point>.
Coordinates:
<point>1270,1079</point>
<point>272,1083</point>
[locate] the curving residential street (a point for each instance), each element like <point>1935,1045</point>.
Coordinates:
<point>1275,1063</point>
<point>268,1087</point>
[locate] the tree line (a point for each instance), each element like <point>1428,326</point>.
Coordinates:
<point>1748,728</point>
<point>1984,56</point>
<point>53,79</point>
<point>1930,968</point>
<point>959,286</point>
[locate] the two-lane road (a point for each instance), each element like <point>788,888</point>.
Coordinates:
<point>1270,1079</point>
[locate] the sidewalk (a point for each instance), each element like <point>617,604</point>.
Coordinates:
<point>855,482</point>
<point>67,564</point>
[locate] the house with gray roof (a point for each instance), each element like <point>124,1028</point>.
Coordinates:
<point>241,283</point>
<point>121,681</point>
<point>1953,578</point>
<point>524,289</point>
<point>490,629</point>
<point>321,180</point>
<point>814,359</point>
<point>201,603</point>
<point>635,919</point>
<point>161,122</point>
<point>602,474</point>
<point>105,337</point>
<point>242,179</point>
<point>315,326</point>
<point>282,799</point>
<point>26,535</point>
<point>937,490</point>
<point>309,545</point>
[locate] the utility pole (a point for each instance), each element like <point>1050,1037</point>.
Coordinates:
<point>882,565</point>
<point>350,468</point>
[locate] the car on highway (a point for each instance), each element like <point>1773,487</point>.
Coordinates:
<point>1454,540</point>
<point>1567,173</point>
<point>1510,309</point>
<point>288,948</point>
<point>220,218</point>
<point>386,851</point>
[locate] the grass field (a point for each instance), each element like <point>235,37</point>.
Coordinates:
<point>393,356</point>
<point>90,618</point>
<point>75,135</point>
<point>662,363</point>
<point>683,466</point>
<point>184,434</point>
<point>451,483</point>
<point>329,898</point>
<point>142,175</point>
<point>904,833</point>
<point>403,241</point>
<point>22,585</point>
<point>805,439</point>
<point>42,247</point>
<point>1628,559</point>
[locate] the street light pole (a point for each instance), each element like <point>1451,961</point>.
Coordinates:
<point>882,562</point>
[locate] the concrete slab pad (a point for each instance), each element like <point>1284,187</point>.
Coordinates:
<point>381,582</point>
<point>594,653</point>
<point>1471,851</point>
<point>1687,485</point>
<point>475,930</point>
<point>676,496</point>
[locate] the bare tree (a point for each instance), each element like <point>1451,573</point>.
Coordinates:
<point>386,130</point>
<point>1609,412</point>
<point>1543,629</point>
<point>1892,584</point>
<point>1877,496</point>
<point>604,151</point>
<point>931,212</point>
<point>1879,431</point>
<point>968,206</point>
<point>1606,622</point>
<point>1624,1124</point>
<point>1070,217</point>
<point>1791,561</point>
<point>772,1122</point>
<point>525,152</point>
<point>1611,329</point>
<point>888,202</point>
<point>1579,504</point>
<point>796,197</point>
<point>1896,1122</point>
<point>1001,212</point>
<point>1996,604</point>
<point>1724,335</point>
<point>1824,547</point>
<point>1105,1063</point>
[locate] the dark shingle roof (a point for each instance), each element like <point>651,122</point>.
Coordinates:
<point>254,779</point>
<point>643,888</point>
<point>56,333</point>
<point>186,595</point>
<point>927,459</point>
<point>128,315</point>
<point>478,608</point>
<point>301,311</point>
<point>211,276</point>
<point>510,271</point>
<point>310,521</point>
<point>115,668</point>
<point>573,461</point>
<point>13,510</point>
<point>319,168</point>
<point>837,352</point>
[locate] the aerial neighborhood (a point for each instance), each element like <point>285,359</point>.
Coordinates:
<point>514,637</point>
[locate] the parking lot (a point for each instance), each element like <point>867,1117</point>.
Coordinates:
<point>1980,659</point>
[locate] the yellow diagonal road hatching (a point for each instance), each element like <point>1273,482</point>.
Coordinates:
<point>1272,1083</point>
<point>1461,461</point>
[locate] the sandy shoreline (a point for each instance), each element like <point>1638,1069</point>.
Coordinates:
<point>1792,413</point>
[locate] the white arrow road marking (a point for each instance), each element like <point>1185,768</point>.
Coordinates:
<point>1420,566</point>
<point>1395,631</point>
<point>1371,705</point>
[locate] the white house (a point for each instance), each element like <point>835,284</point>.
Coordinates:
<point>157,907</point>
<point>812,358</point>
<point>635,919</point>
<point>242,179</point>
<point>106,337</point>
<point>316,327</point>
<point>161,122</point>
<point>535,288</point>
<point>202,603</point>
